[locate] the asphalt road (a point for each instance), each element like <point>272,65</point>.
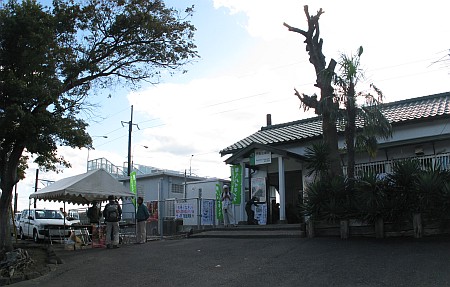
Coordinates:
<point>258,262</point>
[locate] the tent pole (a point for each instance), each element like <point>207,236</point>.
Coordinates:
<point>64,228</point>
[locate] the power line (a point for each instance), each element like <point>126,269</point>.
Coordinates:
<point>267,92</point>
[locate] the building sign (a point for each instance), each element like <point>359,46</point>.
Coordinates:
<point>184,210</point>
<point>207,212</point>
<point>260,157</point>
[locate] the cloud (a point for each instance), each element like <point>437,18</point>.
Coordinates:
<point>205,115</point>
<point>264,18</point>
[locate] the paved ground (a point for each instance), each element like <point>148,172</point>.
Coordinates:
<point>270,261</point>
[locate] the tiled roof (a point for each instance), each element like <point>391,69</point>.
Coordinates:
<point>396,112</point>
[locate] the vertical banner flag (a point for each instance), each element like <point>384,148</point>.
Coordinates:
<point>219,202</point>
<point>133,186</point>
<point>207,212</point>
<point>236,183</point>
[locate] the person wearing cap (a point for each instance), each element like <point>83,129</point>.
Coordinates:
<point>227,210</point>
<point>112,214</point>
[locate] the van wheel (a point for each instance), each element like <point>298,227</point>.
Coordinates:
<point>21,235</point>
<point>35,236</point>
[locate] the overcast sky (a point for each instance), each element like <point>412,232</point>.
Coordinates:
<point>248,68</point>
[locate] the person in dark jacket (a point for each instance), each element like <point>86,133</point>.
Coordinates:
<point>112,214</point>
<point>250,213</point>
<point>142,215</point>
<point>94,213</point>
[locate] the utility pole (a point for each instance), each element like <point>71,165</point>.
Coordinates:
<point>36,185</point>
<point>130,130</point>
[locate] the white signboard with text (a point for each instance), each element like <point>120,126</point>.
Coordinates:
<point>184,210</point>
<point>261,214</point>
<point>207,211</point>
<point>262,157</point>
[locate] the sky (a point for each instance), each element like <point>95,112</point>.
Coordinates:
<point>249,66</point>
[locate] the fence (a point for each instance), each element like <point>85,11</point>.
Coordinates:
<point>441,161</point>
<point>170,216</point>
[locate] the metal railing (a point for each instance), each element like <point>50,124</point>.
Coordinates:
<point>99,163</point>
<point>441,161</point>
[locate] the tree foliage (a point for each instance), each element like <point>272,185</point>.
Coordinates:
<point>338,99</point>
<point>364,123</point>
<point>51,58</point>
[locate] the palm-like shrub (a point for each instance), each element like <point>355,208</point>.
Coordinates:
<point>428,192</point>
<point>370,196</point>
<point>399,191</point>
<point>328,200</point>
<point>413,190</point>
<point>444,206</point>
<point>317,160</point>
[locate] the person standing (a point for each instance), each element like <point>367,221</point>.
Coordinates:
<point>142,215</point>
<point>250,213</point>
<point>94,213</point>
<point>227,208</point>
<point>112,214</point>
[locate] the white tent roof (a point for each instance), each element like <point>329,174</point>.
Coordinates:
<point>84,188</point>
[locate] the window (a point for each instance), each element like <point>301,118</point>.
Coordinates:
<point>177,188</point>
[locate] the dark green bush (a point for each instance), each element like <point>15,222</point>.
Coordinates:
<point>329,200</point>
<point>370,196</point>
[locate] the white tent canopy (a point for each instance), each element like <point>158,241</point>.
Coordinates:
<point>84,188</point>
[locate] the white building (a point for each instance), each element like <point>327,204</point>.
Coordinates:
<point>274,154</point>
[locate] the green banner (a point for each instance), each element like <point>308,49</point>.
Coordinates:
<point>236,183</point>
<point>133,186</point>
<point>219,213</point>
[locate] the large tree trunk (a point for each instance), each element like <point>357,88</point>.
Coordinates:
<point>8,169</point>
<point>5,236</point>
<point>325,106</point>
<point>331,139</point>
<point>350,133</point>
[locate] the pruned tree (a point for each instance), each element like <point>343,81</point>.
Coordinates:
<point>325,106</point>
<point>338,101</point>
<point>52,58</point>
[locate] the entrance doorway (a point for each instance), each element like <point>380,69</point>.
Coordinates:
<point>293,187</point>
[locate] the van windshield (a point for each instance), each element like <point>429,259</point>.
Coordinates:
<point>48,214</point>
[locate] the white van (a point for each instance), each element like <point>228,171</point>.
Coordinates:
<point>43,223</point>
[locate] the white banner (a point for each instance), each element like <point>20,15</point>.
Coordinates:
<point>261,214</point>
<point>207,212</point>
<point>184,210</point>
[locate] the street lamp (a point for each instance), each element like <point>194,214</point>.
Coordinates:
<point>132,156</point>
<point>190,165</point>
<point>87,160</point>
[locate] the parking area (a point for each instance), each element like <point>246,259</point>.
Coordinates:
<point>260,262</point>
